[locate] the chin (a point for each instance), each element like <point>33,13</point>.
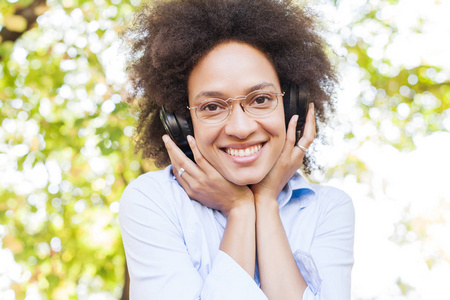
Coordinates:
<point>246,180</point>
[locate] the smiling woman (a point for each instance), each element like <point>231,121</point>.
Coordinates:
<point>232,69</point>
<point>237,222</point>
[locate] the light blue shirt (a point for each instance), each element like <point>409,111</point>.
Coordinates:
<point>172,242</point>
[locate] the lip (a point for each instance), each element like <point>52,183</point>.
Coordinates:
<point>243,145</point>
<point>243,151</point>
<point>244,159</point>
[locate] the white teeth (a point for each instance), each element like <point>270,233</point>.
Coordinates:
<point>243,152</point>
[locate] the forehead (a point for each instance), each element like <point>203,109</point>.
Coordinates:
<point>230,69</point>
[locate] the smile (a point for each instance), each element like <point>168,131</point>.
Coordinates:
<point>242,152</point>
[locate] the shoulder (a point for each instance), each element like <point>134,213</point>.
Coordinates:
<point>318,195</point>
<point>155,190</point>
<point>330,195</point>
<point>333,203</point>
<point>150,181</point>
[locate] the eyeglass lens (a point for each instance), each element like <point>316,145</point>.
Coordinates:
<point>256,103</point>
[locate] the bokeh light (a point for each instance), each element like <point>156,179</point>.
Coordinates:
<point>66,153</point>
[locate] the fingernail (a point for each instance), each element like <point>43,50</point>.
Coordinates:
<point>190,139</point>
<point>165,138</point>
<point>295,118</point>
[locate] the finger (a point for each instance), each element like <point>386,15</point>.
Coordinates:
<point>184,179</point>
<point>171,150</point>
<point>195,151</point>
<point>291,131</point>
<point>193,173</point>
<point>309,133</point>
<point>183,175</point>
<point>199,158</point>
<point>177,157</point>
<point>179,161</point>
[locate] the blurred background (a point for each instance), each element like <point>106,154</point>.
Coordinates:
<point>66,154</point>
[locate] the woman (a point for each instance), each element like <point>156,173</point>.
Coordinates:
<point>239,222</point>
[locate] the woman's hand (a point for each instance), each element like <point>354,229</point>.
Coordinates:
<point>290,160</point>
<point>203,182</point>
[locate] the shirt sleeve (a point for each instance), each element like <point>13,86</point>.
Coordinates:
<point>327,267</point>
<point>159,263</point>
<point>229,281</point>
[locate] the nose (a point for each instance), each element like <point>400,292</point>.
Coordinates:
<point>239,124</point>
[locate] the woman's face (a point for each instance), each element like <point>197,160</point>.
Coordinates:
<point>229,70</point>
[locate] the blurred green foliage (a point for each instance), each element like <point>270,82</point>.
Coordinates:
<point>397,102</point>
<point>65,150</point>
<point>65,146</point>
<point>402,98</point>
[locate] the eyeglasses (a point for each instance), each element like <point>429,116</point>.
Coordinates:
<point>257,103</point>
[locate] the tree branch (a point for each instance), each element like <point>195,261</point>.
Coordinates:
<point>30,13</point>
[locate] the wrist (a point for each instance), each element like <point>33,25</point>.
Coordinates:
<point>265,199</point>
<point>262,192</point>
<point>266,204</point>
<point>244,208</point>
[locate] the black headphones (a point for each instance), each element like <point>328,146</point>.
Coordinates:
<point>295,101</point>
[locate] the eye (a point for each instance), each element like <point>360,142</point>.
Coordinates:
<point>213,106</point>
<point>261,99</point>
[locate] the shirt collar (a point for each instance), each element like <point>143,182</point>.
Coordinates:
<point>295,190</point>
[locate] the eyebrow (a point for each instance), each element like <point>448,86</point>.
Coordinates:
<point>259,86</point>
<point>217,94</point>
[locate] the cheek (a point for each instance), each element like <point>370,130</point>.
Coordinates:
<point>278,132</point>
<point>277,126</point>
<point>204,137</point>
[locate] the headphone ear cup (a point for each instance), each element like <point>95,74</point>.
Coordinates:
<point>302,106</point>
<point>178,128</point>
<point>290,101</point>
<point>295,102</point>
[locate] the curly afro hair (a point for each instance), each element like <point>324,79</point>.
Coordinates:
<point>169,37</point>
